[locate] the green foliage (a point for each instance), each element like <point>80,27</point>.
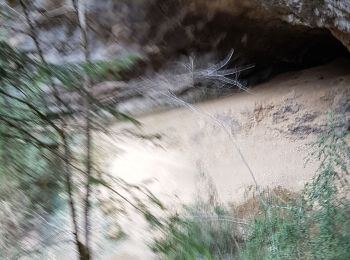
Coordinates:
<point>300,233</point>
<point>23,134</point>
<point>71,74</point>
<point>317,224</point>
<point>24,108</point>
<point>201,231</point>
<point>31,143</point>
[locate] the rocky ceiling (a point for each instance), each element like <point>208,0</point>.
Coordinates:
<point>285,34</point>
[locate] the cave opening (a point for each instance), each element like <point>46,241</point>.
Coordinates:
<point>272,46</point>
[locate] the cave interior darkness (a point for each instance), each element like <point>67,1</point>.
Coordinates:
<point>273,47</point>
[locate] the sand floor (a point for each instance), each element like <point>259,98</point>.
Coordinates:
<point>271,127</point>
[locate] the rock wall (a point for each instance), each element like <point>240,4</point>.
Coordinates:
<point>274,35</point>
<point>333,15</point>
<point>281,31</point>
<point>285,31</point>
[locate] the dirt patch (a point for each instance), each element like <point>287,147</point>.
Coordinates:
<point>253,204</point>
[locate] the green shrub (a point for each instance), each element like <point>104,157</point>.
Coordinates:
<point>317,224</point>
<point>203,231</point>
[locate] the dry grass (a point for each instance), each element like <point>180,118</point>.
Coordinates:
<point>252,206</point>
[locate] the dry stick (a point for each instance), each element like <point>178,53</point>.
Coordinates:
<point>32,29</point>
<point>62,133</point>
<point>81,15</point>
<point>229,133</point>
<point>220,124</point>
<point>69,188</point>
<point>217,73</point>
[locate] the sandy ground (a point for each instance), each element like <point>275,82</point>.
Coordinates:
<point>272,127</point>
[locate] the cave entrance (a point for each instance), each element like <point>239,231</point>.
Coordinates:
<point>273,46</point>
